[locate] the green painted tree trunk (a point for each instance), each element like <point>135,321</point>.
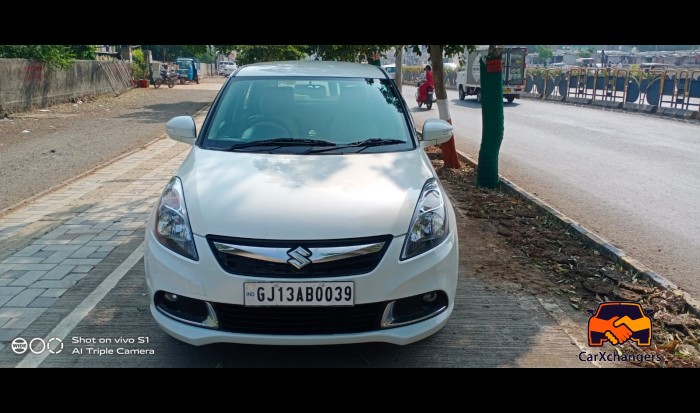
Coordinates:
<point>492,126</point>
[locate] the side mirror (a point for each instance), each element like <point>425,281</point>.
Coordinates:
<point>435,132</point>
<point>182,129</point>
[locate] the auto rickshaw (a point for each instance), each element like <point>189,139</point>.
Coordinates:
<point>188,70</point>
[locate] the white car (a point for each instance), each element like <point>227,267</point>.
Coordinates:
<point>227,68</point>
<point>390,70</point>
<point>306,213</point>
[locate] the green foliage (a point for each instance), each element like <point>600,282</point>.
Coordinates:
<point>84,51</point>
<point>54,56</point>
<point>168,52</point>
<point>346,53</point>
<point>544,53</point>
<point>248,54</point>
<point>139,67</point>
<point>460,50</point>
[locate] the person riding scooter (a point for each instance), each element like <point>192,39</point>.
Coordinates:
<point>429,83</point>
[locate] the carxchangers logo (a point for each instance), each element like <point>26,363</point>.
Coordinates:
<point>37,345</point>
<point>617,322</point>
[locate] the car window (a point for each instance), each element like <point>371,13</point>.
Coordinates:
<point>340,111</point>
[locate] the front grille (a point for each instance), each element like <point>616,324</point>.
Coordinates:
<point>280,267</point>
<point>299,320</point>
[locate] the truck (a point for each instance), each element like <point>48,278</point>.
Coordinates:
<point>513,63</point>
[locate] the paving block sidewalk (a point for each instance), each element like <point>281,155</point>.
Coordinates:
<point>52,243</point>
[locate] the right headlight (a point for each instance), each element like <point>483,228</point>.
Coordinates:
<point>429,225</point>
<point>172,225</point>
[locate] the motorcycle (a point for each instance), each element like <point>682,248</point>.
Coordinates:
<point>429,96</point>
<point>166,77</point>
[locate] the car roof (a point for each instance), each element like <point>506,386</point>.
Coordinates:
<point>311,68</point>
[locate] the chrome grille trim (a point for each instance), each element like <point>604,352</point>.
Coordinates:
<point>280,255</point>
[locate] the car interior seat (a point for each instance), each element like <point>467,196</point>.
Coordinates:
<point>275,117</point>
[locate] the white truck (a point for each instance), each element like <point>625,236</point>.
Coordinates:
<point>513,60</point>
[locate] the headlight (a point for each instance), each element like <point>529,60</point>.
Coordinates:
<point>172,226</point>
<point>429,226</point>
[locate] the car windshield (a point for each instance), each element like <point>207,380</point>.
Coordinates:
<point>301,115</point>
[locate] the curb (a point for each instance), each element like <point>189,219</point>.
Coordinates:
<point>677,113</point>
<point>689,116</point>
<point>639,108</point>
<point>606,249</point>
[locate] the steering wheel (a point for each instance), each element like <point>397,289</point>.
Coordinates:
<point>262,127</point>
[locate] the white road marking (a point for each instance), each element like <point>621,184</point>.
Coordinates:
<point>66,325</point>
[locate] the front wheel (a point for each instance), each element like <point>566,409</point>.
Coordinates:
<point>429,105</point>
<point>157,83</point>
<point>462,95</point>
<point>171,83</point>
<point>196,80</point>
<point>510,99</point>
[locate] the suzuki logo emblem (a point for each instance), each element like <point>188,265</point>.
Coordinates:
<point>299,257</point>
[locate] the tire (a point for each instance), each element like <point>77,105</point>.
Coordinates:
<point>182,80</point>
<point>462,95</point>
<point>171,83</point>
<point>429,105</point>
<point>420,104</point>
<point>510,99</point>
<point>157,83</point>
<point>478,96</point>
<point>196,80</point>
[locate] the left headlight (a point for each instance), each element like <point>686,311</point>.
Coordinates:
<point>172,225</point>
<point>429,226</point>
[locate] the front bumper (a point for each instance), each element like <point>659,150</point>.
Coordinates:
<point>205,280</point>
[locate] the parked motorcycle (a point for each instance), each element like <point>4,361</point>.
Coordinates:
<point>166,77</point>
<point>429,96</point>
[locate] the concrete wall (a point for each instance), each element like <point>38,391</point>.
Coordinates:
<point>25,84</point>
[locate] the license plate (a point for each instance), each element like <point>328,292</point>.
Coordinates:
<point>310,294</point>
<point>506,91</point>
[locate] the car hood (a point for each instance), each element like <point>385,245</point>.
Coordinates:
<point>302,197</point>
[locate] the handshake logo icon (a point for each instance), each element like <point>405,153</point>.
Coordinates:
<point>617,322</point>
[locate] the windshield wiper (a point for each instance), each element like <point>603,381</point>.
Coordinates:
<point>361,144</point>
<point>280,142</point>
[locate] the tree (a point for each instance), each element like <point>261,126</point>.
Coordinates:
<point>83,51</point>
<point>346,53</point>
<point>52,55</point>
<point>139,68</point>
<point>436,52</point>
<point>248,54</point>
<point>491,118</point>
<point>398,60</point>
<point>544,54</point>
<point>587,52</point>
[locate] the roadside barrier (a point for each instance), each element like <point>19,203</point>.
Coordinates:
<point>674,93</point>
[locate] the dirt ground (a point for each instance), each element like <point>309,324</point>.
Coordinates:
<point>531,249</point>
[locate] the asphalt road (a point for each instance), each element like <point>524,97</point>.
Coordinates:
<point>630,178</point>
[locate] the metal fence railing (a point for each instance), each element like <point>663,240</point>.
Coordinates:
<point>663,88</point>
